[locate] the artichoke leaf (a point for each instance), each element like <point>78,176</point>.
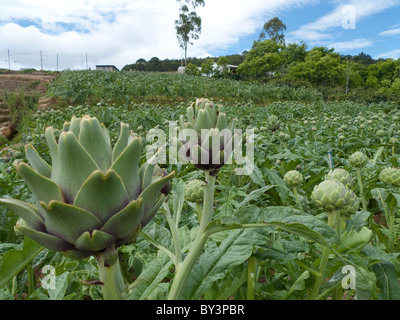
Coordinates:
<point>74,165</point>
<point>122,141</point>
<point>43,189</point>
<point>46,240</point>
<point>123,222</point>
<point>151,193</point>
<point>126,165</point>
<point>37,162</point>
<point>94,241</point>
<point>203,121</point>
<point>94,138</point>
<point>68,222</point>
<point>102,194</point>
<point>25,211</point>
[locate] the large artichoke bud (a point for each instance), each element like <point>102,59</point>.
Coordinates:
<point>210,142</point>
<point>340,175</point>
<point>330,195</point>
<point>390,176</point>
<point>293,178</point>
<point>358,159</point>
<point>93,196</point>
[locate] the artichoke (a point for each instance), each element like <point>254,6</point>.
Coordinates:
<point>194,191</point>
<point>390,176</point>
<point>93,196</point>
<point>293,178</point>
<point>330,195</point>
<point>273,123</point>
<point>210,142</point>
<point>352,203</point>
<point>358,159</point>
<point>340,175</point>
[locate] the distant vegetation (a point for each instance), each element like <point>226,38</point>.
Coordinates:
<point>339,77</point>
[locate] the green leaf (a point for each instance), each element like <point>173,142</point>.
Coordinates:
<point>365,283</point>
<point>127,166</point>
<point>354,240</point>
<point>94,138</point>
<point>123,222</point>
<point>151,277</point>
<point>68,222</point>
<point>26,211</point>
<point>299,284</point>
<point>37,162</point>
<point>291,220</point>
<point>281,187</point>
<point>387,280</point>
<point>178,199</point>
<point>102,194</point>
<point>14,261</point>
<point>254,195</point>
<point>43,189</point>
<point>72,165</point>
<point>94,241</point>
<point>216,261</point>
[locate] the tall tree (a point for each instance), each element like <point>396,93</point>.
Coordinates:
<point>188,26</point>
<point>274,28</point>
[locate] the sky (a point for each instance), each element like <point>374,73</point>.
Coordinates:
<point>80,34</point>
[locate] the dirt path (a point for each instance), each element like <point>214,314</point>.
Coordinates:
<point>35,83</point>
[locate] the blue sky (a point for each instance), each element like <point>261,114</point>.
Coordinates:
<point>88,32</point>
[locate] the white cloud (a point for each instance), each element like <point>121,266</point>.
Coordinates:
<point>393,54</point>
<point>339,19</point>
<point>390,32</point>
<point>126,30</point>
<point>350,45</point>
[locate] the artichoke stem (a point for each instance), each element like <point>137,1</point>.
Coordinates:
<point>183,270</point>
<point>110,273</point>
<point>364,204</point>
<point>324,261</point>
<point>296,195</point>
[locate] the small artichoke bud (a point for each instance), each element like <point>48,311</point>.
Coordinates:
<point>293,178</point>
<point>194,191</point>
<point>330,195</point>
<point>390,176</point>
<point>340,175</point>
<point>20,223</point>
<point>273,123</point>
<point>358,159</point>
<point>380,133</point>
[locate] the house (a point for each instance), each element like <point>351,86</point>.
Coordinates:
<point>106,68</point>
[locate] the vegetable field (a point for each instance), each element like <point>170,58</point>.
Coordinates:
<point>316,218</point>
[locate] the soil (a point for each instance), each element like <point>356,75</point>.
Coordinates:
<point>30,83</point>
<point>35,83</point>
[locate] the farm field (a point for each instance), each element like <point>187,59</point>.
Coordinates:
<point>316,217</point>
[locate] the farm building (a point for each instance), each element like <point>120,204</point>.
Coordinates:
<point>107,68</point>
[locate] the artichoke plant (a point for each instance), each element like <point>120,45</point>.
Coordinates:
<point>390,176</point>
<point>94,197</point>
<point>209,124</point>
